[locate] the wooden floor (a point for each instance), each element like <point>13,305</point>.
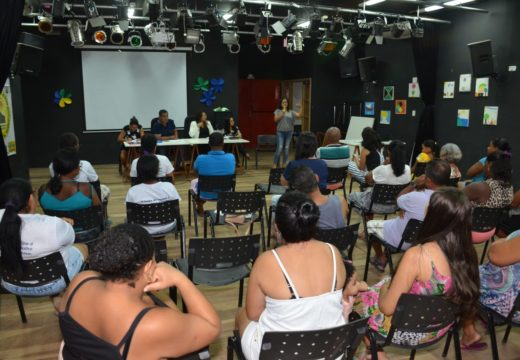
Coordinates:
<point>40,337</point>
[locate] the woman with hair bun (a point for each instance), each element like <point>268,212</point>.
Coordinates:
<point>105,313</point>
<point>477,171</point>
<point>299,285</point>
<point>25,235</point>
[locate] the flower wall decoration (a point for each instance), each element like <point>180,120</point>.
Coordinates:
<point>61,98</point>
<point>209,89</point>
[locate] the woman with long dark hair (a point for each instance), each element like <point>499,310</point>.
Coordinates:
<point>395,173</point>
<point>63,192</point>
<point>25,235</point>
<point>201,128</point>
<point>477,171</point>
<point>105,313</point>
<point>284,119</point>
<point>443,262</point>
<point>371,155</point>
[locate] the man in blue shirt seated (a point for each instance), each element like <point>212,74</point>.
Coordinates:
<point>216,162</point>
<point>164,129</point>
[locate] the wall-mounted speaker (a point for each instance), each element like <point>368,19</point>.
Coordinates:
<point>28,56</point>
<point>348,68</point>
<point>367,69</point>
<point>482,58</point>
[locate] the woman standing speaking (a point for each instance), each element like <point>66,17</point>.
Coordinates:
<point>284,119</point>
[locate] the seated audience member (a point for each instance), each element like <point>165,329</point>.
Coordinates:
<point>452,154</point>
<point>477,171</point>
<point>216,162</point>
<point>296,287</point>
<point>499,285</point>
<point>25,235</point>
<point>371,155</point>
<point>163,127</point>
<point>429,151</point>
<point>87,174</point>
<point>63,192</point>
<point>333,208</point>
<point>443,263</point>
<point>232,130</point>
<point>105,313</point>
<point>305,155</point>
<point>335,154</point>
<point>352,288</point>
<point>512,222</point>
<point>412,203</point>
<point>148,147</point>
<point>151,191</point>
<point>395,173</point>
<point>132,131</point>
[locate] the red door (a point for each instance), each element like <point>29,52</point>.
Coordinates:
<point>257,101</point>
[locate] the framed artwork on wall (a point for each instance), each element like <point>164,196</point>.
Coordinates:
<point>463,118</point>
<point>400,107</point>
<point>465,83</point>
<point>388,93</point>
<point>449,90</point>
<point>482,87</point>
<point>369,108</point>
<point>491,115</point>
<point>385,117</point>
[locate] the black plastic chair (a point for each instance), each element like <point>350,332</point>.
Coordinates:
<point>336,180</point>
<point>339,342</point>
<point>88,222</point>
<point>135,180</point>
<point>420,169</point>
<point>220,261</point>
<point>485,219</point>
<point>382,194</point>
<point>362,187</point>
<point>274,185</point>
<point>420,314</point>
<point>264,143</point>
<point>495,319</point>
<point>37,272</point>
<point>409,236</point>
<point>247,204</point>
<point>159,214</point>
<point>343,238</point>
<point>210,184</point>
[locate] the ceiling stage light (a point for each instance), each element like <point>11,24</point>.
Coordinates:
<point>281,27</point>
<point>134,39</point>
<point>231,39</point>
<point>77,36</point>
<point>295,43</point>
<point>347,48</point>
<point>327,46</point>
<point>117,35</point>
<point>100,37</point>
<point>45,23</point>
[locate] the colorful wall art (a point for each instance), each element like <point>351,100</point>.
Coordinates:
<point>369,108</point>
<point>482,87</point>
<point>400,107</point>
<point>413,90</point>
<point>385,117</point>
<point>388,93</point>
<point>463,118</point>
<point>449,90</point>
<point>465,83</point>
<point>491,115</point>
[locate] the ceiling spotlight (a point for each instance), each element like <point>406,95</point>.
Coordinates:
<point>123,11</point>
<point>264,48</point>
<point>45,23</point>
<point>184,19</point>
<point>347,48</point>
<point>401,29</point>
<point>280,27</point>
<point>199,47</point>
<point>418,29</point>
<point>117,36</point>
<point>93,15</point>
<point>77,36</point>
<point>134,39</point>
<point>100,37</point>
<point>377,32</point>
<point>192,36</point>
<point>327,46</point>
<point>231,39</point>
<point>295,43</point>
<point>262,33</point>
<point>160,36</point>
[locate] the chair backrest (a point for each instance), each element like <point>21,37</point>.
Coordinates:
<point>39,271</point>
<point>266,142</point>
<point>484,219</point>
<point>275,176</point>
<point>383,194</point>
<point>84,219</point>
<point>216,183</point>
<point>153,214</point>
<point>97,186</point>
<point>410,232</point>
<point>343,238</point>
<point>135,180</point>
<point>153,122</point>
<point>422,314</point>
<point>330,343</point>
<point>336,175</point>
<point>420,169</point>
<point>223,253</point>
<point>240,203</point>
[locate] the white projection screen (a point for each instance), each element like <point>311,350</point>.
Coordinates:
<point>119,85</point>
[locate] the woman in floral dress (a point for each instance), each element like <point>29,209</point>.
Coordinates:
<point>427,269</point>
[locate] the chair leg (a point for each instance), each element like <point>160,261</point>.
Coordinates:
<point>373,344</point>
<point>492,335</point>
<point>205,226</point>
<point>367,262</point>
<point>195,220</point>
<point>269,224</point>
<point>262,232</point>
<point>390,262</point>
<point>456,342</point>
<point>506,333</point>
<point>230,348</point>
<point>349,214</point>
<point>484,252</point>
<point>412,354</point>
<point>447,344</point>
<point>21,308</point>
<point>189,208</point>
<point>241,292</point>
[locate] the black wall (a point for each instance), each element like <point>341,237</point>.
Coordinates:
<point>61,68</point>
<point>501,25</point>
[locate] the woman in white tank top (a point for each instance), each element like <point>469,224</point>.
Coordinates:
<point>296,287</point>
